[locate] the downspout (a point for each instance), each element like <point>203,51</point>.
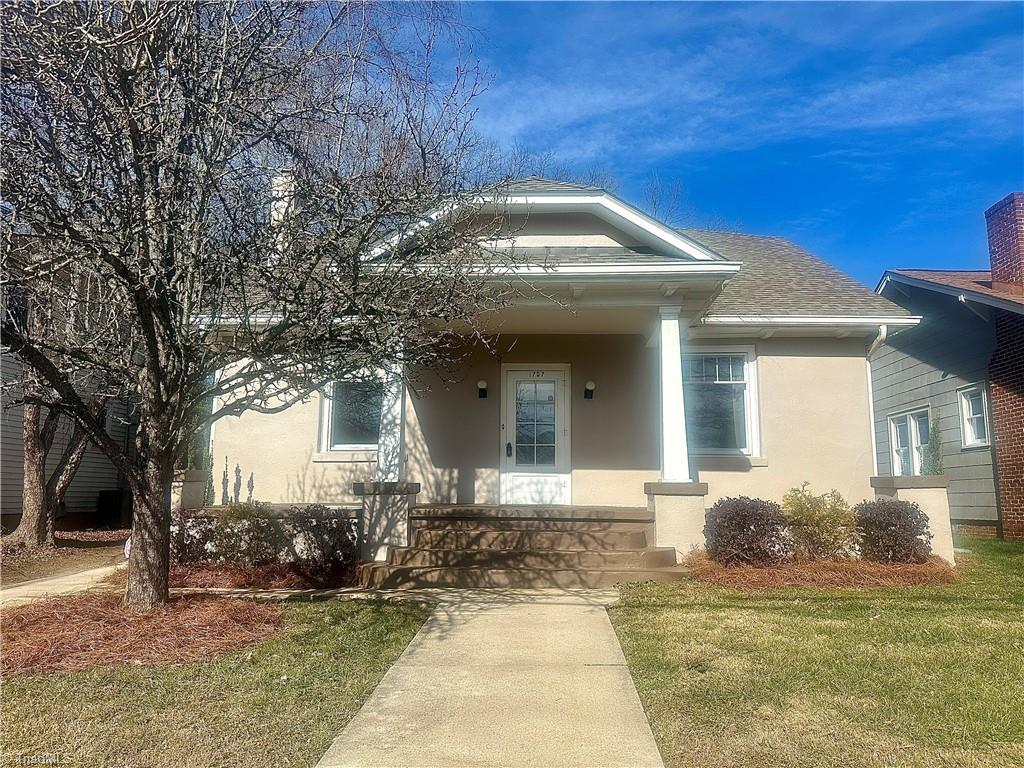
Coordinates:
<point>883,331</point>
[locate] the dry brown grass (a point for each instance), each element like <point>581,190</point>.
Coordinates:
<point>93,629</point>
<point>821,573</point>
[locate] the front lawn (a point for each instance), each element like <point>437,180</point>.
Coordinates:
<point>277,703</point>
<point>913,676</point>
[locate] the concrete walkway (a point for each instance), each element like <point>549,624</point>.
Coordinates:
<point>508,678</point>
<point>67,584</point>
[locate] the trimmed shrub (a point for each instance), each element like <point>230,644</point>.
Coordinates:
<point>823,526</point>
<point>893,531</point>
<point>747,531</point>
<point>258,534</point>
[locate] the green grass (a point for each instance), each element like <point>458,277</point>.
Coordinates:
<point>922,676</point>
<point>275,704</point>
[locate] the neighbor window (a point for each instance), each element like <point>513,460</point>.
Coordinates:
<point>910,434</point>
<point>353,415</point>
<point>973,416</point>
<point>719,391</point>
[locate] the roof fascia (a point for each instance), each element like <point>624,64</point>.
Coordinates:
<point>617,209</point>
<point>811,320</point>
<point>962,294</point>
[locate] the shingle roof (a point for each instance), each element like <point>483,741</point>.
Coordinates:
<point>537,184</point>
<point>779,278</point>
<point>975,281</point>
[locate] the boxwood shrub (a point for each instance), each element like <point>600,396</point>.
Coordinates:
<point>745,531</point>
<point>893,531</point>
<point>823,525</point>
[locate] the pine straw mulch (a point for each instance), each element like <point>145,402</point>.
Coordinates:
<point>267,576</point>
<point>821,573</point>
<point>93,629</point>
<point>65,544</point>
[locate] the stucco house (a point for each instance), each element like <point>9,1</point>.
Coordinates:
<point>957,379</point>
<point>655,366</point>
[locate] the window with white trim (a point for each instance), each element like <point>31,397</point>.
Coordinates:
<point>352,415</point>
<point>720,393</point>
<point>909,436</point>
<point>973,416</point>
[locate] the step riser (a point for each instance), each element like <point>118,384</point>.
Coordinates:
<point>568,526</point>
<point>652,558</point>
<point>454,539</point>
<point>385,577</point>
<point>535,513</point>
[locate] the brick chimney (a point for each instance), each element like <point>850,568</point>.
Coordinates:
<point>1005,223</point>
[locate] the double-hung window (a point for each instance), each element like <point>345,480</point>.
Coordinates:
<point>909,433</point>
<point>352,415</point>
<point>973,416</point>
<point>720,393</point>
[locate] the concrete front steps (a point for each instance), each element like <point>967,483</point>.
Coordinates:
<point>525,547</point>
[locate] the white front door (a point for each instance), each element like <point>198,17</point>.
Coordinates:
<point>535,463</point>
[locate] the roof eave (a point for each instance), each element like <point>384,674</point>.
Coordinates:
<point>963,294</point>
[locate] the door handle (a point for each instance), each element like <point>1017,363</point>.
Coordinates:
<point>508,449</point>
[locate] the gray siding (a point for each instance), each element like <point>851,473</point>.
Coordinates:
<point>95,474</point>
<point>925,366</point>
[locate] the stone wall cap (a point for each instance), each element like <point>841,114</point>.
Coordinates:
<point>910,481</point>
<point>676,489</point>
<point>385,489</point>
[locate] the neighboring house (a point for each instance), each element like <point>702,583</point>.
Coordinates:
<point>647,354</point>
<point>82,504</point>
<point>958,378</point>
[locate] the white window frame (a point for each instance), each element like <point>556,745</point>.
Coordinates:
<point>751,398</point>
<point>916,456</point>
<point>965,429</point>
<point>327,404</point>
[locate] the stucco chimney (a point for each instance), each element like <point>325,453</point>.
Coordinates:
<point>1005,223</point>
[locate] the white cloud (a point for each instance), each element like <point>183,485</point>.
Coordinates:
<point>664,80</point>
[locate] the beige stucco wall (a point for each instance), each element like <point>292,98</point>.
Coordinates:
<point>815,423</point>
<point>279,450</point>
<point>813,418</point>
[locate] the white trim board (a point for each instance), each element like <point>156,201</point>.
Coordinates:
<point>602,204</point>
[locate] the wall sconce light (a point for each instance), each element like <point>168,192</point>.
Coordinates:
<point>588,390</point>
<point>481,388</point>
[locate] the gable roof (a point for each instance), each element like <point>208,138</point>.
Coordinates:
<point>780,279</point>
<point>973,285</point>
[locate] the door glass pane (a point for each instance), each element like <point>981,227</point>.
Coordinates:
<point>535,423</point>
<point>524,454</point>
<point>524,433</point>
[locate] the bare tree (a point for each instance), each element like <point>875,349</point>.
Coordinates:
<point>232,203</point>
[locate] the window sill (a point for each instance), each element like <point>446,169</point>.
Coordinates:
<point>728,461</point>
<point>976,447</point>
<point>345,456</point>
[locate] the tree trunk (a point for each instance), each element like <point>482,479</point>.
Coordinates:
<point>34,529</point>
<point>65,471</point>
<point>150,557</point>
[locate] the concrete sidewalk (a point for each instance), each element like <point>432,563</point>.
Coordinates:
<point>54,586</point>
<point>505,678</point>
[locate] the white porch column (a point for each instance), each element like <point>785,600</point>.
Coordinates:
<point>391,443</point>
<point>675,459</point>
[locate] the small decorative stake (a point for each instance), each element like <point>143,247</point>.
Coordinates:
<point>588,390</point>
<point>481,388</point>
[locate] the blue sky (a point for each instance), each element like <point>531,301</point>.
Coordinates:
<point>875,135</point>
